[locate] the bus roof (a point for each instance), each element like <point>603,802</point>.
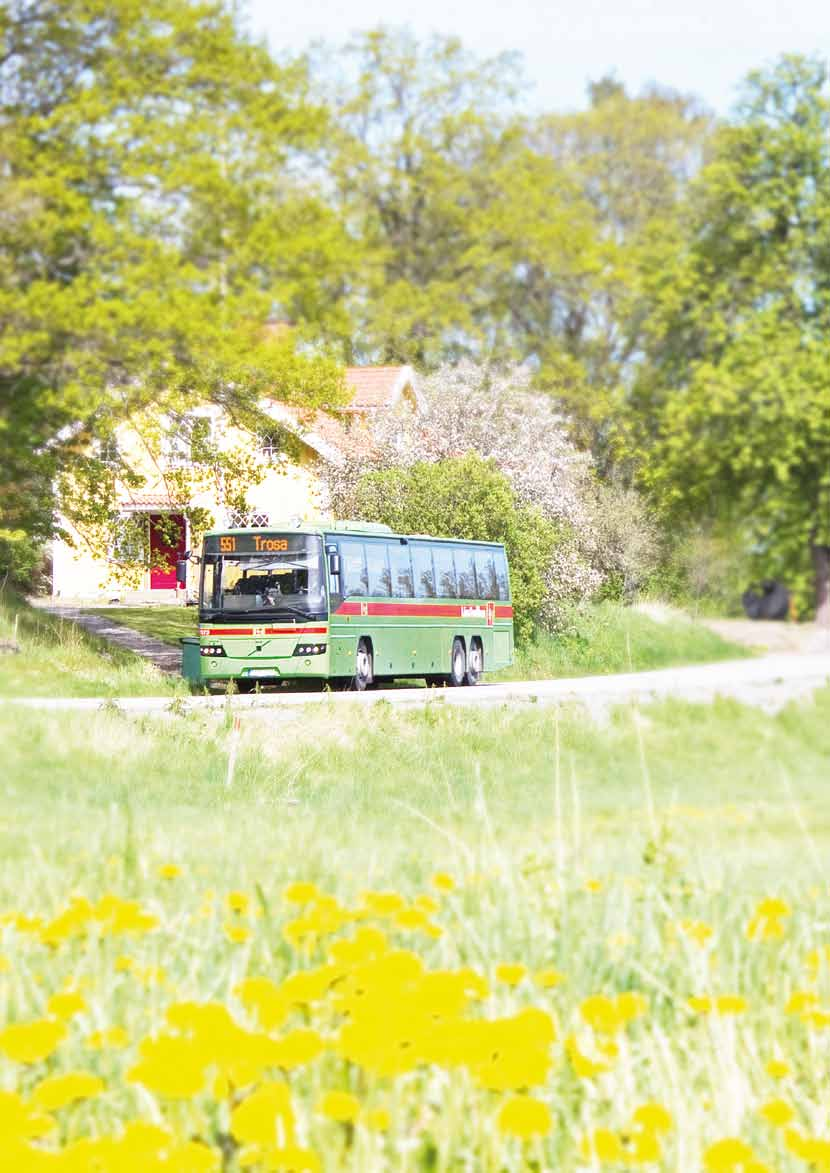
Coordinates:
<point>366,529</point>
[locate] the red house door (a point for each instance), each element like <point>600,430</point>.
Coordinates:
<point>167,544</point>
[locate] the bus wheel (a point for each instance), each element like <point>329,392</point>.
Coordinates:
<point>475,662</point>
<point>458,663</point>
<point>363,667</point>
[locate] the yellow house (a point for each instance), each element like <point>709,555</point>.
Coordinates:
<point>287,488</point>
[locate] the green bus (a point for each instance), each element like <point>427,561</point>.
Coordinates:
<point>351,603</point>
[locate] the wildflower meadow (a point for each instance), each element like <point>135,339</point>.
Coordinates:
<point>432,941</point>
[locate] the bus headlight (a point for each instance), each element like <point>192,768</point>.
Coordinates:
<point>212,650</point>
<point>309,650</point>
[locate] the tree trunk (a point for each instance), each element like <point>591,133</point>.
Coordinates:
<point>821,564</point>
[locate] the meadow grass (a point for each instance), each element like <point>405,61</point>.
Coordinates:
<point>55,657</point>
<point>606,637</point>
<point>670,853</point>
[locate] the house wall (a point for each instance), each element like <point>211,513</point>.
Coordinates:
<point>289,489</point>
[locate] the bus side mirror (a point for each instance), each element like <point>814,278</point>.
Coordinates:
<point>181,572</point>
<point>334,564</point>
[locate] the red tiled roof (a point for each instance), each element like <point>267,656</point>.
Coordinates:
<point>157,500</point>
<point>372,386</point>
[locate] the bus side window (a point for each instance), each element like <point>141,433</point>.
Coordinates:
<point>377,565</point>
<point>353,567</point>
<point>401,568</point>
<point>465,565</point>
<point>501,574</point>
<point>423,572</point>
<point>445,579</point>
<point>488,587</point>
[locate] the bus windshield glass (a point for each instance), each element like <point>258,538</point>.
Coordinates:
<point>284,576</point>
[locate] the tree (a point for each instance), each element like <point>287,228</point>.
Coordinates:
<point>467,497</point>
<point>732,412</point>
<point>631,159</point>
<point>434,175</point>
<point>148,151</point>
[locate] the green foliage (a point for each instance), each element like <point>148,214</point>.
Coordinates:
<point>145,199</point>
<point>467,497</point>
<point>732,412</point>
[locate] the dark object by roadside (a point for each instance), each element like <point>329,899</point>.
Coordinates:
<point>771,602</point>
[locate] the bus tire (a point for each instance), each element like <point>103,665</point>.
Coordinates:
<point>475,662</point>
<point>364,668</point>
<point>458,663</point>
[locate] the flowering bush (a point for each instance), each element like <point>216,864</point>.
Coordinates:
<point>603,534</point>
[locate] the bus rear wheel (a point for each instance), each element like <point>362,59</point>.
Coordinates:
<point>458,663</point>
<point>475,662</point>
<point>364,672</point>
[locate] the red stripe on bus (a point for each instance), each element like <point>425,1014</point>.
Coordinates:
<point>442,610</point>
<point>266,630</point>
<point>296,630</point>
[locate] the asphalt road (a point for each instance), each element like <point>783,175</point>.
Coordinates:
<point>769,682</point>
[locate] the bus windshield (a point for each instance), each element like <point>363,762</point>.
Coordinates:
<point>286,579</point>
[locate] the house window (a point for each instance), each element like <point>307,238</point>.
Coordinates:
<point>244,519</point>
<point>108,452</point>
<point>270,447</point>
<point>190,441</point>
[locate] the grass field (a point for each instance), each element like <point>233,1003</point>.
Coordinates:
<point>58,658</point>
<point>443,940</point>
<point>599,639</point>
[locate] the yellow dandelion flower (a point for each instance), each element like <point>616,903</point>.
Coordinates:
<point>170,1066</point>
<point>800,1001</point>
<point>18,1121</point>
<point>730,1004</point>
<point>169,871</point>
<point>340,1106</point>
<point>238,902</point>
<point>426,904</point>
<point>653,1117</point>
<point>593,886</point>
<point>778,1069</point>
<point>510,973</point>
<point>265,1117</point>
<point>237,934</point>
<point>377,1119</point>
<point>124,964</point>
<point>112,1038</point>
<point>383,903</point>
<point>773,908</point>
<point>366,944</point>
<point>5,964</point>
<point>443,881</point>
<point>603,1145</point>
<point>30,1042</point>
<point>698,930</point>
<point>547,979</point>
<point>731,1155</point>
<point>59,1090</point>
<point>300,892</point>
<point>66,1004</point>
<point>524,1117</point>
<point>583,1065</point>
<point>410,919</point>
<point>297,1048</point>
<point>777,1112</point>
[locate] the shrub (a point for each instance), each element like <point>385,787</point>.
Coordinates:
<point>467,497</point>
